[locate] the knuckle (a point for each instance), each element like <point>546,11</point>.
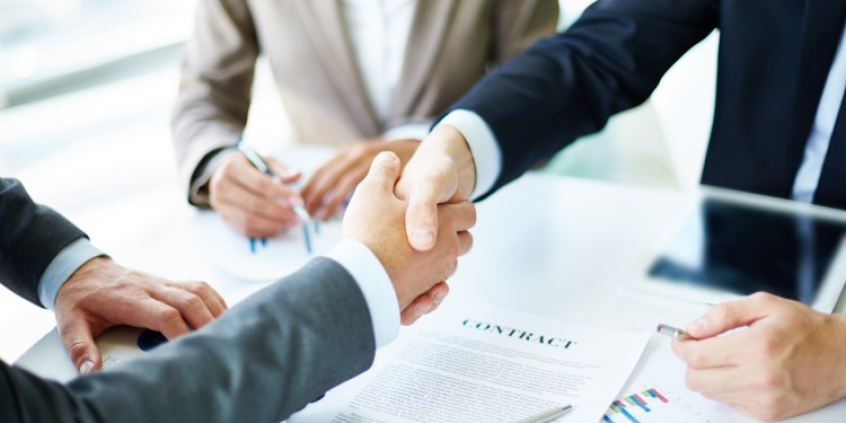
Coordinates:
<point>721,312</point>
<point>770,348</point>
<point>771,384</point>
<point>697,360</point>
<point>691,381</point>
<point>170,315</point>
<point>192,302</point>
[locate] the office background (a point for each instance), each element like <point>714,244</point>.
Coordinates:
<point>86,90</point>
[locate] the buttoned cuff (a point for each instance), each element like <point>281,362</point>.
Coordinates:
<point>376,286</point>
<point>62,267</point>
<point>199,195</point>
<point>415,131</point>
<point>483,146</point>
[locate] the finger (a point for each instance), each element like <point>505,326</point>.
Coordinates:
<point>462,216</point>
<point>384,173</point>
<point>213,301</point>
<point>263,185</point>
<point>78,339</point>
<point>286,174</point>
<point>726,316</point>
<point>465,242</point>
<point>323,180</point>
<point>156,315</point>
<point>714,352</point>
<point>250,225</point>
<point>723,384</point>
<point>254,204</point>
<point>339,194</point>
<point>424,304</point>
<point>192,308</point>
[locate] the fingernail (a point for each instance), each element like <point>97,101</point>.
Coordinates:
<point>386,157</point>
<point>86,367</point>
<point>423,237</point>
<point>295,200</point>
<point>439,297</point>
<point>288,173</point>
<point>697,326</point>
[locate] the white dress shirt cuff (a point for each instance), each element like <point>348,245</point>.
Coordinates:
<point>414,131</point>
<point>376,286</point>
<point>483,147</point>
<point>62,267</point>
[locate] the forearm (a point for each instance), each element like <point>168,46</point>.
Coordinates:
<point>568,85</point>
<point>261,361</point>
<point>216,82</point>
<point>32,236</point>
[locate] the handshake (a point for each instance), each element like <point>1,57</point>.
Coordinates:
<point>376,217</point>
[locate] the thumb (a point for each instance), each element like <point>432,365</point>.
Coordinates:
<point>78,340</point>
<point>384,172</point>
<point>727,316</point>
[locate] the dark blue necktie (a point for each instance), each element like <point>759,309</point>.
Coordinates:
<point>823,26</point>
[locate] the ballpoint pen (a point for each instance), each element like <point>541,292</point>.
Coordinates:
<point>298,209</point>
<point>548,416</point>
<point>672,332</point>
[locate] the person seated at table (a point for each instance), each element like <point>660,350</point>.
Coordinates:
<point>779,129</point>
<point>363,75</point>
<point>270,355</point>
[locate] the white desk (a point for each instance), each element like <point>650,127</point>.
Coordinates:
<point>552,246</point>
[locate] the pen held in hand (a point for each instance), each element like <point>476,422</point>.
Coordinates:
<point>673,332</point>
<point>548,416</point>
<point>298,209</point>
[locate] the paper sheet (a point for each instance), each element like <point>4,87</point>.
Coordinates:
<point>471,363</point>
<point>267,261</point>
<point>656,393</point>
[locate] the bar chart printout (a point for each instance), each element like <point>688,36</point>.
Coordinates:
<point>651,406</point>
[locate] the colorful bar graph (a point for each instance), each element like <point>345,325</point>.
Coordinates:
<point>637,401</point>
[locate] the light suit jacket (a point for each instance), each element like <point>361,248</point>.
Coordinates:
<point>451,45</point>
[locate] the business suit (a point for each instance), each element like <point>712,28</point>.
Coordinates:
<point>31,235</point>
<point>451,45</point>
<point>260,362</point>
<point>773,62</point>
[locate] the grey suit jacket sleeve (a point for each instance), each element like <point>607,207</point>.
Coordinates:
<point>261,361</point>
<point>31,236</point>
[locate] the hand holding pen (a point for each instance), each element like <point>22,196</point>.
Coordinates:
<point>296,206</point>
<point>251,202</point>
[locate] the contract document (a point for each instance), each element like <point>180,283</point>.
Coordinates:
<point>472,363</point>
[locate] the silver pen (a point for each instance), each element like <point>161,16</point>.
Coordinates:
<point>298,209</point>
<point>672,332</point>
<point>548,416</point>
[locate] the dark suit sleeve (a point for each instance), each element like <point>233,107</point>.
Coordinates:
<point>261,361</point>
<point>568,85</point>
<point>31,235</point>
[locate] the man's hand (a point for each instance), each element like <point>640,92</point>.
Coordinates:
<point>102,294</point>
<point>253,203</point>
<point>336,180</point>
<point>787,362</point>
<point>376,217</point>
<point>441,171</point>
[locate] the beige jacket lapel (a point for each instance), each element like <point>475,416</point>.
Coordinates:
<point>432,20</point>
<point>326,26</point>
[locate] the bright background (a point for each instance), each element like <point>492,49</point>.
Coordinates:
<point>86,90</point>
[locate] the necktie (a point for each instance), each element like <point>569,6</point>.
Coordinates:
<point>822,28</point>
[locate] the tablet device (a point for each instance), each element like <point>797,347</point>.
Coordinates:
<point>729,244</point>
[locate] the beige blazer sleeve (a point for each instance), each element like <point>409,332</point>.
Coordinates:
<point>214,91</point>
